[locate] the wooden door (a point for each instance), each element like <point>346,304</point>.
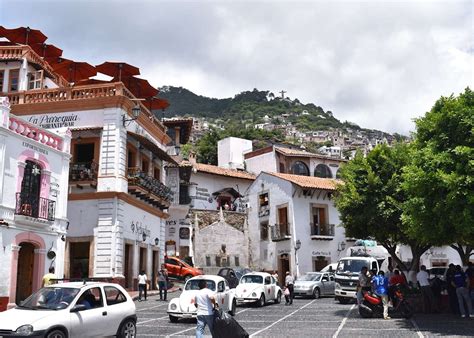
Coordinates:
<point>24,280</point>
<point>283,220</point>
<point>283,267</point>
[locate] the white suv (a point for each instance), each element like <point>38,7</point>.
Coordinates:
<point>77,309</point>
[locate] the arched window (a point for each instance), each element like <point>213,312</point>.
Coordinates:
<point>322,171</point>
<point>299,168</point>
<point>30,189</point>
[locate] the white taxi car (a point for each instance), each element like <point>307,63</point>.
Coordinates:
<point>183,307</point>
<point>76,309</point>
<point>258,287</point>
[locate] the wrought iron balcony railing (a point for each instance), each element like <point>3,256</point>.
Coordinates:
<point>36,207</point>
<point>280,232</point>
<point>83,171</point>
<point>322,229</point>
<point>136,177</point>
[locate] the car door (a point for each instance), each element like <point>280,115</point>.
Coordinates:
<point>220,295</point>
<point>325,284</point>
<point>116,306</point>
<point>93,321</point>
<point>269,290</point>
<point>331,284</point>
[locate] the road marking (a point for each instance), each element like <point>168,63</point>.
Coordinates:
<point>241,311</point>
<point>274,323</point>
<point>153,307</point>
<point>343,322</point>
<point>417,328</point>
<point>150,320</point>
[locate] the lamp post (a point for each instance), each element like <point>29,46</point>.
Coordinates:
<point>297,247</point>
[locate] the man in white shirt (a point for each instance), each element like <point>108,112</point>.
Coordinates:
<point>205,302</point>
<point>428,298</point>
<point>289,283</point>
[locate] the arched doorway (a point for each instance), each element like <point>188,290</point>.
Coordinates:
<point>24,279</point>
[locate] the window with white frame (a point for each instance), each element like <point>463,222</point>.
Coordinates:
<point>35,80</point>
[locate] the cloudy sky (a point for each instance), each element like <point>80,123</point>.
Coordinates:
<point>378,64</point>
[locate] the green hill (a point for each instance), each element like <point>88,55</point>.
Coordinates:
<point>250,107</point>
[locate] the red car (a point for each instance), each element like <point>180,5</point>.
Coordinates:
<point>180,269</point>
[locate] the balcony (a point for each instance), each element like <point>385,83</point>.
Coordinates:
<point>83,173</point>
<point>322,231</point>
<point>148,188</point>
<point>280,232</point>
<point>35,207</point>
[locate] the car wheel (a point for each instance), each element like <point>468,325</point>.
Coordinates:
<point>233,308</point>
<point>316,293</point>
<point>173,319</point>
<point>56,333</point>
<point>261,301</point>
<point>187,277</point>
<point>128,329</point>
<point>278,298</point>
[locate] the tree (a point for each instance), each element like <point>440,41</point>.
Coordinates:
<point>440,179</point>
<point>207,147</point>
<point>370,200</point>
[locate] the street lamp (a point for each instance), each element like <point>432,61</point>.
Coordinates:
<point>136,110</point>
<point>297,247</point>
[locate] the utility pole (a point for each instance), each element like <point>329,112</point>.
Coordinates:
<point>282,94</point>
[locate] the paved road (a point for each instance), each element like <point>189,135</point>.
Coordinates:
<point>306,318</point>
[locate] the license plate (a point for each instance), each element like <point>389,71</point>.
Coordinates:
<point>187,315</point>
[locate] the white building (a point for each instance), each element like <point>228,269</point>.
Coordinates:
<point>231,151</point>
<point>288,209</point>
<point>34,165</point>
<point>294,161</point>
<point>117,202</point>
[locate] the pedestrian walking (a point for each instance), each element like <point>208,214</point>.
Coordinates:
<point>461,282</point>
<point>205,302</point>
<point>422,277</point>
<point>142,280</point>
<point>380,285</point>
<point>453,299</point>
<point>363,284</point>
<point>163,282</point>
<point>470,277</point>
<point>289,283</point>
<point>49,277</point>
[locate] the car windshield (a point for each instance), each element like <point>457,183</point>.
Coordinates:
<point>251,279</point>
<point>50,298</point>
<point>351,265</point>
<point>310,277</point>
<point>193,284</point>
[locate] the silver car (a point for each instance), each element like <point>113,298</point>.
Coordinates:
<point>315,284</point>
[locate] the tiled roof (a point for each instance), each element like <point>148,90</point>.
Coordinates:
<point>212,169</point>
<point>308,182</point>
<point>297,152</point>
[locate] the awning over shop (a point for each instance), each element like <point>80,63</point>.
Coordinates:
<point>152,147</point>
<point>234,193</point>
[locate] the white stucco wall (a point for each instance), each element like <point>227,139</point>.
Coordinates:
<point>230,152</point>
<point>264,162</point>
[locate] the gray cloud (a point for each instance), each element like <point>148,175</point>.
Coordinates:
<point>378,64</point>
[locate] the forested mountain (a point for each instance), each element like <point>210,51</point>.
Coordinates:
<point>250,107</point>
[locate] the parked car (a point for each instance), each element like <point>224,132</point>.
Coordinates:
<point>259,287</point>
<point>180,269</point>
<point>315,284</point>
<point>75,309</point>
<point>230,276</point>
<point>330,268</point>
<point>439,272</point>
<point>239,272</point>
<point>183,306</point>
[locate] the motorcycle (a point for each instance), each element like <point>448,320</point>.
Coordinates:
<point>372,305</point>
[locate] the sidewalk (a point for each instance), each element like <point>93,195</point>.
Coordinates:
<point>134,294</point>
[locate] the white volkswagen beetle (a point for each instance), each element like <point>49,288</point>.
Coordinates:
<point>258,287</point>
<point>90,309</point>
<point>183,307</point>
